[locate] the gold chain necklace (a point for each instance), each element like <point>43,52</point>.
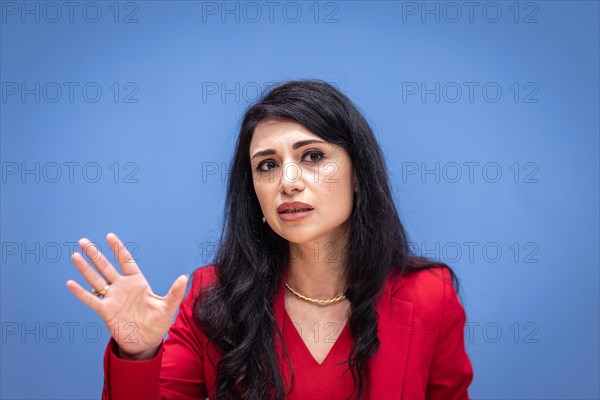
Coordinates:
<point>324,301</point>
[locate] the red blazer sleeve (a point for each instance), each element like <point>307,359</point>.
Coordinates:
<point>177,370</point>
<point>450,372</point>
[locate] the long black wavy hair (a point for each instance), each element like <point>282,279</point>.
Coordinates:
<point>237,312</point>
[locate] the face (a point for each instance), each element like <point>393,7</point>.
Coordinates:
<point>290,163</point>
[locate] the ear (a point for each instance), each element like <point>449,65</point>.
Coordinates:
<point>355,181</point>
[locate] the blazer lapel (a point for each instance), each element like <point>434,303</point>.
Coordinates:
<point>387,367</point>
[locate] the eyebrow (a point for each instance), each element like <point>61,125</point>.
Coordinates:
<point>295,146</point>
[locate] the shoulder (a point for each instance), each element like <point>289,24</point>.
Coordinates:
<point>202,277</point>
<point>429,289</point>
<point>432,280</point>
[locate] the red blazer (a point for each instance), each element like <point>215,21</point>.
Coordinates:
<point>421,356</point>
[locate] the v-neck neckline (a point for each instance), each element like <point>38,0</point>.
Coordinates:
<point>298,337</point>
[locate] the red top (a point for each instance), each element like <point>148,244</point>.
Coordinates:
<point>421,354</point>
<point>319,381</point>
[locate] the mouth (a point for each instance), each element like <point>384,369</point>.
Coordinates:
<point>295,210</point>
<point>295,214</point>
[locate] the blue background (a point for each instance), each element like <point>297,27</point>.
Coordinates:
<point>185,71</point>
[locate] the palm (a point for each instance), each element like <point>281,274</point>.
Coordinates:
<point>137,318</point>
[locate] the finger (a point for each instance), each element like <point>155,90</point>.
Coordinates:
<point>124,258</point>
<point>101,263</point>
<point>92,277</point>
<point>85,296</point>
<point>176,293</point>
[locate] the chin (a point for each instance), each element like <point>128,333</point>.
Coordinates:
<point>298,239</point>
<point>300,235</point>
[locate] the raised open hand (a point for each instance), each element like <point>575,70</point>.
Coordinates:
<point>137,318</point>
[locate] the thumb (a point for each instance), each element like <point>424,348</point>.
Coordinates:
<point>177,291</point>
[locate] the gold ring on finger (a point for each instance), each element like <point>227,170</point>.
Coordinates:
<point>101,292</point>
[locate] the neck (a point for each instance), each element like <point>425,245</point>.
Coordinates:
<point>317,269</point>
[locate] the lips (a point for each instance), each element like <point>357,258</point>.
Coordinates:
<point>294,206</point>
<point>294,216</point>
<point>295,210</point>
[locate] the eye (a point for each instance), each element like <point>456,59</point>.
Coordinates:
<point>261,166</point>
<point>314,153</point>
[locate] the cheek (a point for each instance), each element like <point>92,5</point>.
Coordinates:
<point>262,193</point>
<point>337,194</point>
<point>259,193</point>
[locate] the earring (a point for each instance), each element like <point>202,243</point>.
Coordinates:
<point>264,219</point>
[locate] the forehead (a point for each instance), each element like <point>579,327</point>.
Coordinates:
<point>273,133</point>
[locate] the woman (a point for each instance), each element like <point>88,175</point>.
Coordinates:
<point>313,293</point>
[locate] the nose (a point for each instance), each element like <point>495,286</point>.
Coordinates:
<point>291,178</point>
